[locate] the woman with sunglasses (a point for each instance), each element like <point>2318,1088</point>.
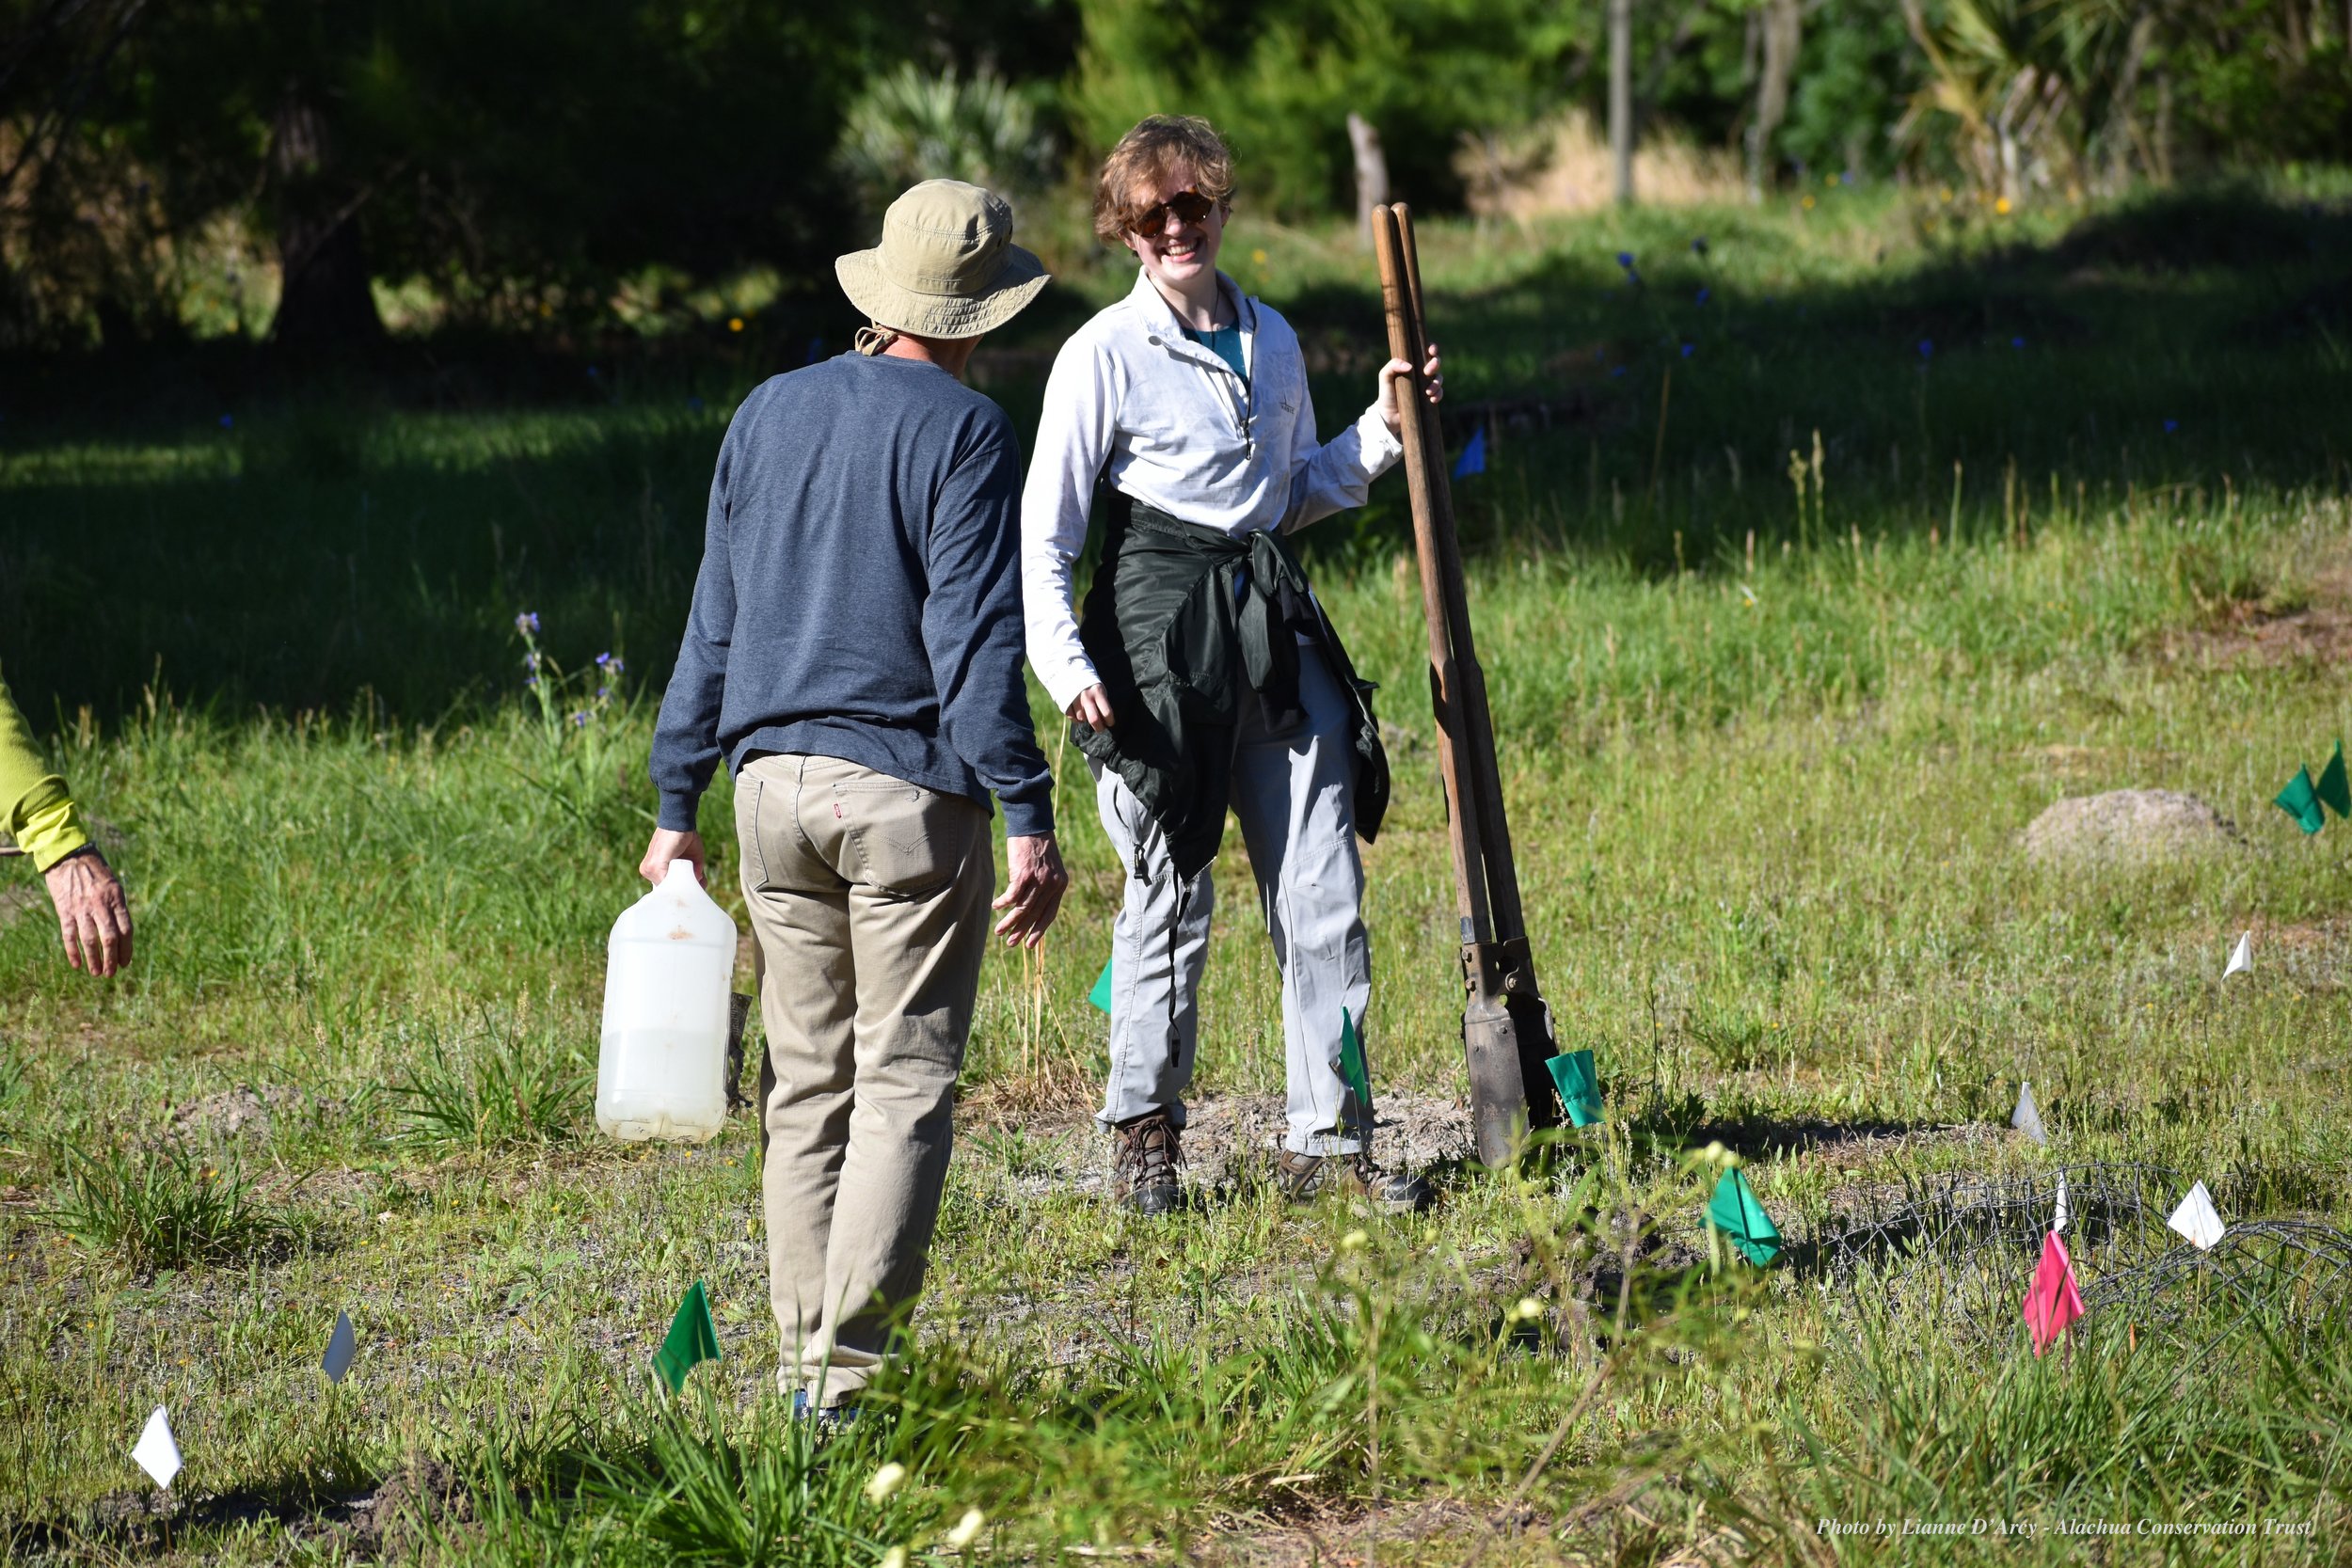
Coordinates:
<point>1204,674</point>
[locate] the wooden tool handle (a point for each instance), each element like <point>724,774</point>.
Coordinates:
<point>1396,298</point>
<point>1494,873</point>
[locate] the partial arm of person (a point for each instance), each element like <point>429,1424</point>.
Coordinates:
<point>686,735</point>
<point>1073,441</point>
<point>1337,475</point>
<point>972,635</point>
<point>93,913</point>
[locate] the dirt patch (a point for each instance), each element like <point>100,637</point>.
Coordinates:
<point>398,1516</point>
<point>2255,637</point>
<point>1229,1142</point>
<point>2129,826</point>
<point>242,1111</point>
<point>2309,622</point>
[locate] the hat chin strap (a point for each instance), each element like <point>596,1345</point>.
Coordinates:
<point>873,338</point>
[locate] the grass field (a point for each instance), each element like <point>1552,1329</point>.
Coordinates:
<point>1789,638</point>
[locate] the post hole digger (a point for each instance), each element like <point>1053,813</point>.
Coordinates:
<point>1506,1029</point>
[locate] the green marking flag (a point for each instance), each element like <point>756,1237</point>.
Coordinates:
<point>1580,1085</point>
<point>2301,801</point>
<point>1354,1070</point>
<point>1100,994</point>
<point>2334,786</point>
<point>1735,1211</point>
<point>692,1339</point>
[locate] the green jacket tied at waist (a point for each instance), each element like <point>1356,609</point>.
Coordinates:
<point>1198,614</point>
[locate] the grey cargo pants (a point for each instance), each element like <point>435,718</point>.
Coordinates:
<point>1292,792</point>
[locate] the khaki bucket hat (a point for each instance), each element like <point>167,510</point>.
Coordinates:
<point>947,267</point>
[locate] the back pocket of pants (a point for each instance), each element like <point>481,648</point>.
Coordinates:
<point>910,841</point>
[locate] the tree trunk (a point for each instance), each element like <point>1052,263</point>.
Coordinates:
<point>1621,98</point>
<point>2122,131</point>
<point>1783,26</point>
<point>1371,172</point>
<point>323,302</point>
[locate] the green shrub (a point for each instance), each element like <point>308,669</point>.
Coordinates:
<point>493,1095</point>
<point>156,1208</point>
<point>909,126</point>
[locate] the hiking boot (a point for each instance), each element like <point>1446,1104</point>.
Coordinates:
<point>1143,1172</point>
<point>829,1419</point>
<point>1304,1178</point>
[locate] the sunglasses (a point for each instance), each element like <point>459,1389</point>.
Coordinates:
<point>1191,206</point>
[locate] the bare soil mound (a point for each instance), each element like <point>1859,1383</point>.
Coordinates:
<point>242,1111</point>
<point>2129,826</point>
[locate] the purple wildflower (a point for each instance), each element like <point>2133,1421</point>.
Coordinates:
<point>580,720</point>
<point>1926,348</point>
<point>527,622</point>
<point>1698,246</point>
<point>228,420</point>
<point>2017,342</point>
<point>1689,349</point>
<point>1702,294</point>
<point>1624,260</point>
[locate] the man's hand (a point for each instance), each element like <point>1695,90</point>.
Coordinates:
<point>1433,380</point>
<point>93,916</point>
<point>1091,708</point>
<point>1035,892</point>
<point>667,846</point>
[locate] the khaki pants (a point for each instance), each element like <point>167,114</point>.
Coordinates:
<point>869,898</point>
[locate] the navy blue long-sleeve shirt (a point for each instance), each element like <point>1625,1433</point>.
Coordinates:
<point>860,593</point>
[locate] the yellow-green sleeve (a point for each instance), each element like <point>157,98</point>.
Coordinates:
<point>35,810</point>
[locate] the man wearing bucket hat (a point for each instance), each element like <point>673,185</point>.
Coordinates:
<point>855,655</point>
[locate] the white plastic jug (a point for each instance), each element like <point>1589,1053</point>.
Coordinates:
<point>662,1071</point>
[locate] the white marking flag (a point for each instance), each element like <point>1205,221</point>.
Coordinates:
<point>2058,1221</point>
<point>158,1454</point>
<point>2241,956</point>
<point>2196,1220</point>
<point>2026,1118</point>
<point>342,1346</point>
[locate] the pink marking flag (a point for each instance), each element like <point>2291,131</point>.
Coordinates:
<point>2054,1302</point>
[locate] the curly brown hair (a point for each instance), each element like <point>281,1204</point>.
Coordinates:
<point>1158,146</point>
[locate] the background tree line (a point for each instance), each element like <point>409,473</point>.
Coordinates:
<point>522,157</point>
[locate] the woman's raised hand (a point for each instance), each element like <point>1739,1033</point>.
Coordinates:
<point>1433,382</point>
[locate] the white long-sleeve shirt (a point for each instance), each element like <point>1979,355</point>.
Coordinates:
<point>1176,429</point>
